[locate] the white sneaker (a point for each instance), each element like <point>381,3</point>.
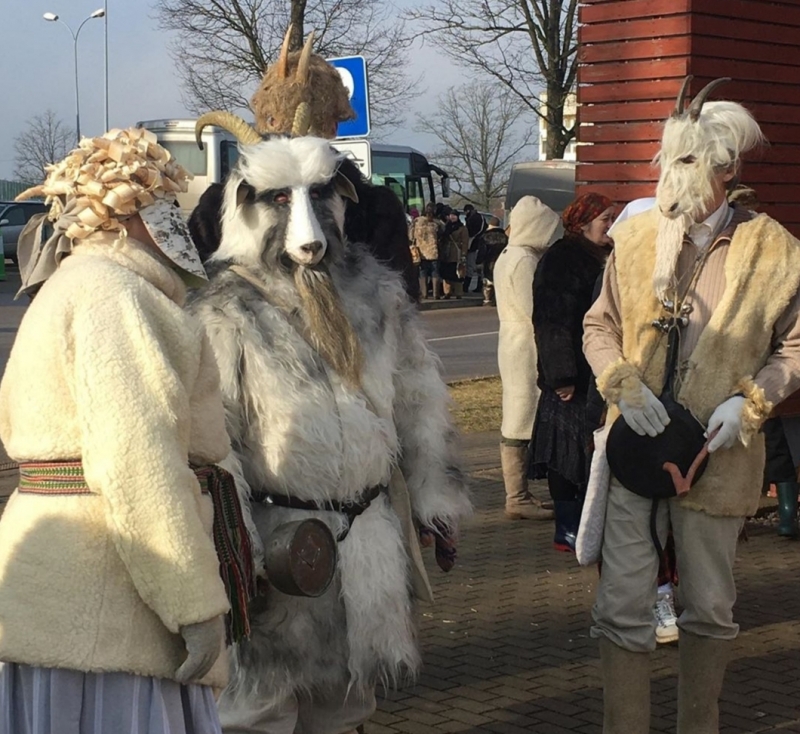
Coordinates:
<point>666,619</point>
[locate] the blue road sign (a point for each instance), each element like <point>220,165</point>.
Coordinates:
<point>353,70</point>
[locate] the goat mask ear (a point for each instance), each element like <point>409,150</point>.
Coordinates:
<point>344,187</point>
<point>245,193</point>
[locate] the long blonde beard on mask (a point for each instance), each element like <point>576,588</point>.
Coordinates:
<point>669,242</point>
<point>329,329</point>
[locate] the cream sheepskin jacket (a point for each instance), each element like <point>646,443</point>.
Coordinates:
<point>108,368</point>
<point>533,226</point>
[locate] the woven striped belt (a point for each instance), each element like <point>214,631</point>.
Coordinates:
<point>231,538</point>
<point>52,477</point>
<point>66,477</point>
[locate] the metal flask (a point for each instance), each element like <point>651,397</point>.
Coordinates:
<point>301,558</point>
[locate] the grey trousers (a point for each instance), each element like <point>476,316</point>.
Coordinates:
<point>337,713</point>
<point>705,548</point>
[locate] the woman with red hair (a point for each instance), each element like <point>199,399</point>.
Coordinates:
<point>563,291</point>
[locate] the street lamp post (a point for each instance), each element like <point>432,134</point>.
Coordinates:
<point>105,60</point>
<point>52,17</point>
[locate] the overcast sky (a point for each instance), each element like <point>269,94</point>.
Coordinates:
<point>38,71</point>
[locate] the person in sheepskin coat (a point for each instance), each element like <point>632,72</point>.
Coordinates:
<point>532,226</point>
<point>563,290</point>
<point>111,599</point>
<point>318,428</point>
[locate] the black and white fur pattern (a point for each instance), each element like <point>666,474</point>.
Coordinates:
<point>298,429</point>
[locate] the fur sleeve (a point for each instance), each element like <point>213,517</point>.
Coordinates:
<point>556,317</point>
<point>430,460</point>
<point>224,336</point>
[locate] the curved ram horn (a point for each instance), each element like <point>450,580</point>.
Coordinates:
<point>283,56</point>
<point>679,104</point>
<point>305,59</point>
<point>234,124</point>
<point>696,107</point>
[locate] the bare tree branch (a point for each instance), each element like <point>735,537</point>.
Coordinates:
<point>481,131</point>
<point>223,47</point>
<point>526,45</point>
<point>45,140</point>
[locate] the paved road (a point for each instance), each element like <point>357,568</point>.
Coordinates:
<point>465,339</point>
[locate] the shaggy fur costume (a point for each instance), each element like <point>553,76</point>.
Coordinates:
<point>299,429</point>
<point>732,349</point>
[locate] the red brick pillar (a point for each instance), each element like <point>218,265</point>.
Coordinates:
<point>633,56</point>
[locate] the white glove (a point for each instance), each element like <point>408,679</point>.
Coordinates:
<point>728,418</point>
<point>203,644</point>
<point>649,420</point>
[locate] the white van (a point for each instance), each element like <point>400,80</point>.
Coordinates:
<point>208,166</point>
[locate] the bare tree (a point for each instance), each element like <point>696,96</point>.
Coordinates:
<point>481,130</point>
<point>223,47</point>
<point>45,140</point>
<point>526,45</point>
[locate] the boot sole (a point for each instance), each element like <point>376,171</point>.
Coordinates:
<point>563,548</point>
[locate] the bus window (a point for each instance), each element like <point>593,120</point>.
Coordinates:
<point>188,155</point>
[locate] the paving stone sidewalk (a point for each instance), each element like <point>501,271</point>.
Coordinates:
<point>506,644</point>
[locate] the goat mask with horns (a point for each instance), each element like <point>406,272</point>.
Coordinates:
<point>699,143</point>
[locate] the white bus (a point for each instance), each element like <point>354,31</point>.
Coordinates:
<point>405,170</point>
<point>210,165</point>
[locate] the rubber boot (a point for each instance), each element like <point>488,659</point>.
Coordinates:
<point>787,509</point>
<point>626,689</point>
<point>520,503</point>
<point>436,284</point>
<point>568,519</point>
<point>701,669</point>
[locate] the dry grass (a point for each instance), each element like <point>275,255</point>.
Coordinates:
<point>478,404</point>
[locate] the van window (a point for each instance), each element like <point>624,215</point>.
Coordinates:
<point>188,155</point>
<point>229,154</point>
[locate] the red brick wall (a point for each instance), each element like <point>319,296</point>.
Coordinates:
<point>633,57</point>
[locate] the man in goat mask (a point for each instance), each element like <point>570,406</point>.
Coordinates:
<point>302,94</point>
<point>694,338</point>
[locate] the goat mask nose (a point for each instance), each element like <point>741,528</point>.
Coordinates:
<point>311,249</point>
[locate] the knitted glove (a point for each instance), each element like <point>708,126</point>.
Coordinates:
<point>204,641</point>
<point>648,417</point>
<point>728,419</point>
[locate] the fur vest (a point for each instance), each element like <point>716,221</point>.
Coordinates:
<point>762,274</point>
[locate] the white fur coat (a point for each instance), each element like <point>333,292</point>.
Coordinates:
<point>107,367</point>
<point>297,429</point>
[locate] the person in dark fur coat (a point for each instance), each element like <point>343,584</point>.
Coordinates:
<point>563,291</point>
<point>491,243</point>
<point>377,220</point>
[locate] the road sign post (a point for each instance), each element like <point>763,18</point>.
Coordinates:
<point>353,70</point>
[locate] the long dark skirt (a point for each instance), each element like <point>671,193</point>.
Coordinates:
<point>559,443</point>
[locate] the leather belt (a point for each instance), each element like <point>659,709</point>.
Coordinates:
<point>350,509</point>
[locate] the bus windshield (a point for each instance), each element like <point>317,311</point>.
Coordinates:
<point>394,170</point>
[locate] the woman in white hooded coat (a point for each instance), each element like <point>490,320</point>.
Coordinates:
<point>532,229</point>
